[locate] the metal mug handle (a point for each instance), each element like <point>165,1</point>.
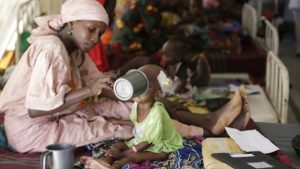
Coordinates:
<point>44,158</point>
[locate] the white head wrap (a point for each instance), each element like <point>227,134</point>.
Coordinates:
<point>71,10</point>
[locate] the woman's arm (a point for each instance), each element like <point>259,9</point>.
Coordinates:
<point>119,121</point>
<point>70,99</point>
<point>76,96</point>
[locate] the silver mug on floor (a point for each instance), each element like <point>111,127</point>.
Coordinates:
<point>58,156</point>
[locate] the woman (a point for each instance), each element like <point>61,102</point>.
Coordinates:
<point>42,98</point>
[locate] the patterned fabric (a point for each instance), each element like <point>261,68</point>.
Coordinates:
<point>188,157</point>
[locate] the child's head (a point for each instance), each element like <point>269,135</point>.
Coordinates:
<point>173,50</point>
<point>151,71</point>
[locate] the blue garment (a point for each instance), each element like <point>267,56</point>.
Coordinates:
<point>3,140</point>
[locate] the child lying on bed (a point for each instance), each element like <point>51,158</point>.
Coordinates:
<point>154,132</point>
<point>182,67</point>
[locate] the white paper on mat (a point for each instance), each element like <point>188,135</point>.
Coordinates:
<point>251,140</point>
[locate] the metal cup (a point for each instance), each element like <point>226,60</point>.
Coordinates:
<point>133,83</point>
<point>58,156</point>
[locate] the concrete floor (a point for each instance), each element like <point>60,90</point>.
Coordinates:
<point>287,53</point>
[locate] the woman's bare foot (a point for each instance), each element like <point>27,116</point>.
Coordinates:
<point>243,118</point>
<point>226,114</point>
<point>91,163</point>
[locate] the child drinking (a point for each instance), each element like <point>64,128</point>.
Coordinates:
<point>154,132</point>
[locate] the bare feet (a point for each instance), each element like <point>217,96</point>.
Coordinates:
<point>120,163</point>
<point>226,114</point>
<point>117,165</point>
<point>114,152</point>
<point>91,163</point>
<point>243,118</point>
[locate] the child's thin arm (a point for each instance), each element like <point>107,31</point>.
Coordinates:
<point>137,148</point>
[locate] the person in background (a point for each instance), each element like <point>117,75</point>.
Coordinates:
<point>183,67</point>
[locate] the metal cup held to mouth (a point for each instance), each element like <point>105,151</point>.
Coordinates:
<point>133,83</point>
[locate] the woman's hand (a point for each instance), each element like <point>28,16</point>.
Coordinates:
<point>113,74</point>
<point>105,82</point>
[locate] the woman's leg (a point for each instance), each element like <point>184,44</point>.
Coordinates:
<point>213,123</point>
<point>241,121</point>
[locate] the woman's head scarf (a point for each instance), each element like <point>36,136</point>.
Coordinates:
<point>71,10</point>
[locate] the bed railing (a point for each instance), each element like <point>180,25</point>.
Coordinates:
<point>271,41</point>
<point>277,85</point>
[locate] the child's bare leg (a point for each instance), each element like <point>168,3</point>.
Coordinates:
<point>214,123</point>
<point>115,152</point>
<point>92,163</point>
<point>243,118</point>
<point>138,158</point>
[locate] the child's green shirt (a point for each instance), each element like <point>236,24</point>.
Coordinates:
<point>157,129</point>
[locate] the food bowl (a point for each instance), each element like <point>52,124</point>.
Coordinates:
<point>296,144</point>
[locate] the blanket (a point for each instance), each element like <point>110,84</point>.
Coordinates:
<point>190,156</point>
